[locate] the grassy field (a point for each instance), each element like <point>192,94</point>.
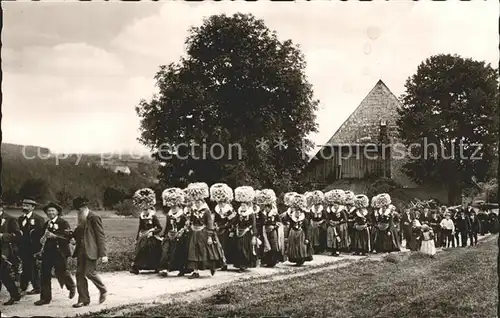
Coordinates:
<point>120,238</point>
<point>459,282</point>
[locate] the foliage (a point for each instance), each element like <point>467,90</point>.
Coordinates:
<point>452,102</point>
<point>37,189</point>
<point>238,83</point>
<point>64,198</point>
<point>61,182</point>
<point>382,185</point>
<point>113,196</point>
<point>126,208</point>
<point>489,190</point>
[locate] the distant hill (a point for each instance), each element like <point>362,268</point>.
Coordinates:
<point>82,174</point>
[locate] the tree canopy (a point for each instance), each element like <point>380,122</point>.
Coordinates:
<point>237,83</point>
<point>451,102</point>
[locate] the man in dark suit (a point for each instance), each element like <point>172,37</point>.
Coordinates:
<point>31,225</point>
<point>90,247</point>
<point>475,228</point>
<point>467,209</point>
<point>9,263</point>
<point>425,216</point>
<point>407,224</point>
<point>55,254</point>
<point>463,226</point>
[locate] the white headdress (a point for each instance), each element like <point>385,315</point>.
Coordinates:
<point>144,198</point>
<point>197,191</point>
<point>221,193</point>
<point>244,194</point>
<point>173,197</point>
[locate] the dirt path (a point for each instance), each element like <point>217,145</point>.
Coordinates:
<point>125,288</point>
<point>149,289</point>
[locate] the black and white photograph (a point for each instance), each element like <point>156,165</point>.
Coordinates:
<point>249,159</point>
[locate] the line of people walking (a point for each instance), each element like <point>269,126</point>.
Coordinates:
<point>32,248</point>
<point>244,229</point>
<point>253,232</point>
<point>451,227</point>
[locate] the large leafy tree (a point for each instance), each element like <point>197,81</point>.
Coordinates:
<point>451,102</point>
<point>237,83</point>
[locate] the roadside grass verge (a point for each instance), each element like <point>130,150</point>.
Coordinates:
<point>457,283</point>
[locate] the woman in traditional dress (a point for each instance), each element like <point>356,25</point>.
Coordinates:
<point>362,244</point>
<point>318,222</point>
<point>337,235</point>
<point>396,220</point>
<point>287,201</point>
<point>272,233</point>
<point>351,214</point>
<point>387,238</point>
<point>203,252</point>
<point>245,251</point>
<point>222,194</point>
<point>299,247</point>
<point>148,244</point>
<point>174,246</point>
<point>372,222</point>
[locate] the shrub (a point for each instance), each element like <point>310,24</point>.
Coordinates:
<point>126,208</point>
<point>382,185</point>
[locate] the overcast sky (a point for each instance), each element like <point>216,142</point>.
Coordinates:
<point>74,72</point>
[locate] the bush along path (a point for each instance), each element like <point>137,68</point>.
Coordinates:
<point>128,292</point>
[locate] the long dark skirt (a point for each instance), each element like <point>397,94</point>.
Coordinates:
<point>373,236</point>
<point>276,252</point>
<point>352,233</point>
<point>339,242</point>
<point>174,252</point>
<point>298,251</point>
<point>147,253</point>
<point>494,226</point>
<point>386,239</point>
<point>361,243</point>
<point>243,255</point>
<point>318,237</point>
<point>202,255</point>
<point>227,244</point>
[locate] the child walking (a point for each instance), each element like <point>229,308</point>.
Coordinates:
<point>428,247</point>
<point>448,231</point>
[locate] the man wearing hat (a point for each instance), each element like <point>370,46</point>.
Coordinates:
<point>9,237</point>
<point>31,225</point>
<point>90,247</point>
<point>55,254</point>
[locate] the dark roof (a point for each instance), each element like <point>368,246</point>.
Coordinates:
<point>363,125</point>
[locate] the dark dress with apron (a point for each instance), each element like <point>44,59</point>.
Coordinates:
<point>245,253</point>
<point>202,255</point>
<point>273,239</point>
<point>148,249</point>
<point>298,250</point>
<point>174,247</point>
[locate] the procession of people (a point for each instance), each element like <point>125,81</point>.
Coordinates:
<point>32,247</point>
<point>245,230</point>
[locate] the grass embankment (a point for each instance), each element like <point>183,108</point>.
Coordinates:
<point>457,283</point>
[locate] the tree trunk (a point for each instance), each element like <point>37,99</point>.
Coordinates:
<point>454,194</point>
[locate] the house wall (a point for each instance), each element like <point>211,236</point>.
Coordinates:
<point>356,163</point>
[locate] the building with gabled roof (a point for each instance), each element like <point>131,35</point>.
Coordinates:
<point>363,147</point>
